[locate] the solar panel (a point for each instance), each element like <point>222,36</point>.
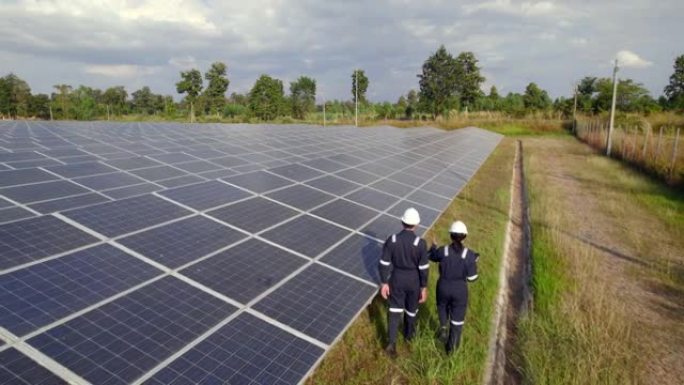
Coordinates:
<point>247,350</point>
<point>357,255</point>
<point>126,215</point>
<point>18,177</point>
<point>40,294</point>
<point>121,340</point>
<point>103,310</point>
<point>345,213</point>
<point>258,181</point>
<point>307,235</point>
<point>318,301</point>
<point>16,368</point>
<point>301,197</point>
<point>246,270</point>
<point>253,215</point>
<point>181,242</point>
<point>31,239</point>
<point>372,198</point>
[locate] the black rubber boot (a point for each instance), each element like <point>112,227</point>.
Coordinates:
<point>391,351</point>
<point>454,339</point>
<point>443,334</point>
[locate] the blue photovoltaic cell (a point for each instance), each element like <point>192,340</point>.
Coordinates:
<point>68,203</point>
<point>181,181</point>
<point>31,239</point>
<point>253,215</point>
<point>217,174</point>
<point>301,197</point>
<point>358,176</point>
<point>393,188</point>
<point>16,368</point>
<point>346,213</point>
<point>42,191</point>
<point>358,255</point>
<point>118,342</point>
<point>171,158</point>
<point>181,242</point>
<point>131,191</point>
<point>40,294</point>
<point>11,214</point>
<point>325,165</point>
<point>203,196</point>
<point>245,270</point>
<point>247,350</point>
<point>372,198</point>
<point>17,177</point>
<point>430,200</point>
<point>258,181</point>
<point>307,235</point>
<point>332,300</point>
<point>33,163</point>
<point>158,173</point>
<point>333,184</point>
<point>5,203</point>
<point>127,215</point>
<point>296,172</point>
<point>132,163</point>
<point>107,181</point>
<point>382,227</point>
<point>81,169</point>
<point>197,166</point>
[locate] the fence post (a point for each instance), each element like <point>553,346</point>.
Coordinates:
<point>634,144</point>
<point>643,152</point>
<point>673,160</point>
<point>660,141</point>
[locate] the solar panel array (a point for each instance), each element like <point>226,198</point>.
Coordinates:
<point>170,253</point>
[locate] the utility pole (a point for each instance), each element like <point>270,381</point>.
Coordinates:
<point>324,121</point>
<point>574,112</point>
<point>51,118</point>
<point>612,109</point>
<point>356,97</point>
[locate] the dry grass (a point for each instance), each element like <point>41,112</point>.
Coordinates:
<point>358,357</point>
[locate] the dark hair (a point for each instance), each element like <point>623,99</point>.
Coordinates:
<point>457,237</point>
<point>407,226</point>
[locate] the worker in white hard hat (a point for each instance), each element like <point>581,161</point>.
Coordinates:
<point>457,267</point>
<point>404,273</point>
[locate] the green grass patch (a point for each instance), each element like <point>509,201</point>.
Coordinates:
<point>359,358</point>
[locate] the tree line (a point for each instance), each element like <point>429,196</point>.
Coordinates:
<point>446,83</point>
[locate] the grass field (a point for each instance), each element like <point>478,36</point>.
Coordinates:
<point>604,236</point>
<point>358,358</point>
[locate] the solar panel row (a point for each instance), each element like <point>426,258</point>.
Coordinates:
<point>202,253</point>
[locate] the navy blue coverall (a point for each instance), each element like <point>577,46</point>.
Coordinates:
<point>404,265</point>
<point>457,266</point>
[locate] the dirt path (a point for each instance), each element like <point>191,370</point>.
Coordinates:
<point>632,243</point>
<point>514,295</point>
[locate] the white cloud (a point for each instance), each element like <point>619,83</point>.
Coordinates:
<point>629,59</point>
<point>579,41</point>
<point>526,8</point>
<point>183,62</point>
<point>120,70</point>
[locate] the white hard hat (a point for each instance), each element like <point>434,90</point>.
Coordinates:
<point>411,217</point>
<point>458,227</point>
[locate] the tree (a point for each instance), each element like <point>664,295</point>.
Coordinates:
<point>115,98</point>
<point>267,98</point>
<point>674,91</point>
<point>217,87</point>
<point>191,84</point>
<point>85,102</point>
<point>15,96</point>
<point>536,99</point>
<point>363,86</point>
<point>62,98</point>
<point>411,103</point>
<point>39,106</point>
<point>143,101</point>
<point>302,96</point>
<point>438,82</point>
<point>631,96</point>
<point>468,79</point>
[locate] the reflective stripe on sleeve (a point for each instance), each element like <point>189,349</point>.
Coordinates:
<point>396,310</point>
<point>385,263</point>
<point>394,238</point>
<point>416,242</point>
<point>446,250</point>
<point>465,252</point>
<point>472,277</point>
<point>423,267</point>
<point>457,323</point>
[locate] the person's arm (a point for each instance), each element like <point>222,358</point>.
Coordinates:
<point>423,271</point>
<point>472,268</point>
<point>385,269</point>
<point>434,253</point>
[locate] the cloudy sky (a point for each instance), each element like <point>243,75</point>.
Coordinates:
<point>102,43</point>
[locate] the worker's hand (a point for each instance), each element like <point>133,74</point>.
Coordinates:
<point>385,291</point>
<point>423,295</point>
<point>434,240</point>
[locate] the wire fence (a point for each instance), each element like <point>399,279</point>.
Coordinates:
<point>656,151</point>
